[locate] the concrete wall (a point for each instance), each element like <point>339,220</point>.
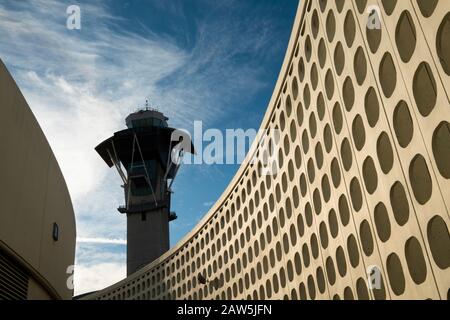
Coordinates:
<point>146,240</point>
<point>363,171</point>
<point>33,196</point>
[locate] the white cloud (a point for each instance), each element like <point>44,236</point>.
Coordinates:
<point>98,265</point>
<point>81,87</point>
<point>102,241</point>
<point>98,276</point>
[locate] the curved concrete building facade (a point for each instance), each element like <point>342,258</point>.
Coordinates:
<point>359,207</point>
<point>37,222</point>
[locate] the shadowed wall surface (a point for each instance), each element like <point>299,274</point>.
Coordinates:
<point>33,197</point>
<point>362,177</point>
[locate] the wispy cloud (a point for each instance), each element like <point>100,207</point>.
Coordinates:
<point>98,265</point>
<point>102,240</point>
<point>98,276</point>
<point>81,85</point>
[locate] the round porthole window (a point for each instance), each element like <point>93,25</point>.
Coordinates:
<point>55,232</point>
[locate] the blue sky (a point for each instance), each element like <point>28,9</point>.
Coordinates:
<point>214,61</point>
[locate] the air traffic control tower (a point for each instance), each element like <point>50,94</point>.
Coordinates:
<point>147,161</point>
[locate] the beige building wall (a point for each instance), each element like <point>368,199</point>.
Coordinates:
<point>33,196</point>
<point>363,181</point>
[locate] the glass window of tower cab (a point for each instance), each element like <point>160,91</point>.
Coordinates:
<point>146,118</point>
